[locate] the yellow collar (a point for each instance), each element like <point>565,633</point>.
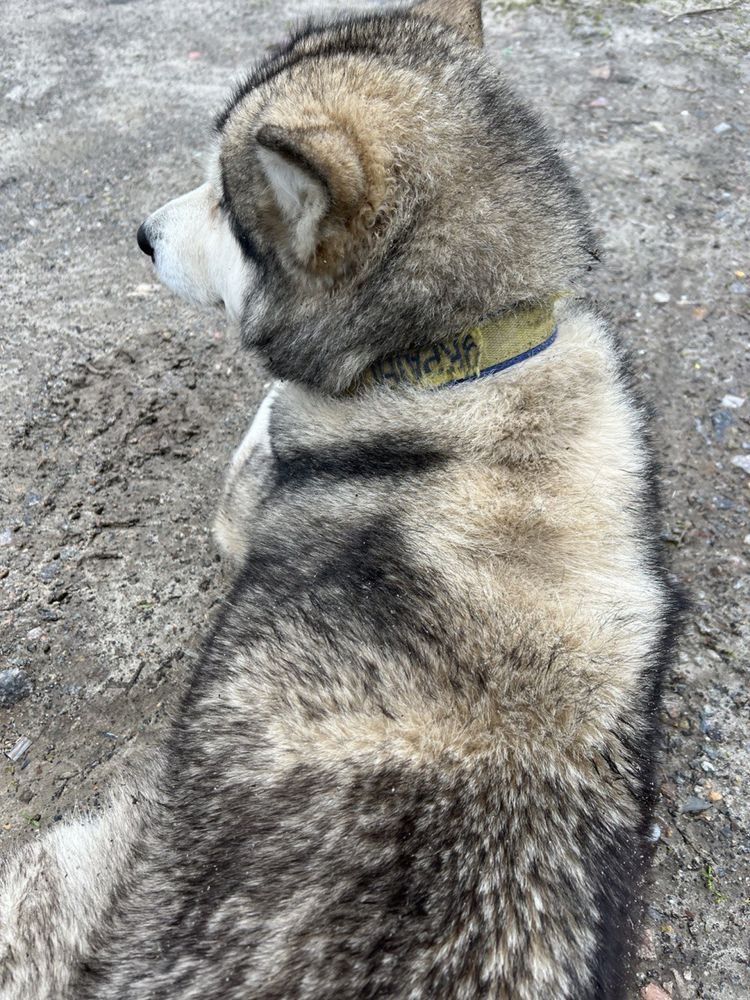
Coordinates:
<point>496,344</point>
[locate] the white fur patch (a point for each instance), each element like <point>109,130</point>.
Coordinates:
<point>196,253</point>
<point>257,436</point>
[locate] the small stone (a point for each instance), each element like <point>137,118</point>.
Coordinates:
<point>669,790</point>
<point>49,571</point>
<point>14,686</point>
<point>722,127</point>
<point>4,571</point>
<point>662,298</point>
<point>732,402</point>
<point>603,72</point>
<point>720,421</point>
<point>747,539</point>
<point>144,289</point>
<point>6,537</point>
<point>654,992</point>
<point>700,312</point>
<point>26,796</point>
<point>738,288</point>
<point>715,796</point>
<point>742,462</point>
<point>694,805</point>
<point>646,948</point>
<point>599,102</point>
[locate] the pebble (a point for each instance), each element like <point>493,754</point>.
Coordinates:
<point>722,127</point>
<point>720,421</point>
<point>732,402</point>
<point>654,992</point>
<point>144,289</point>
<point>738,288</point>
<point>14,685</point>
<point>662,297</point>
<point>49,571</point>
<point>693,804</point>
<point>742,462</point>
<point>6,537</point>
<point>647,948</point>
<point>715,796</point>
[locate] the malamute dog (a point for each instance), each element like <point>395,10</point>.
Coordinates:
<point>416,759</point>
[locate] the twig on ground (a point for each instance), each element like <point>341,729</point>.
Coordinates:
<point>702,10</point>
<point>134,678</point>
<point>99,555</point>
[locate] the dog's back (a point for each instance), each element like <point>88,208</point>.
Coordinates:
<point>416,759</point>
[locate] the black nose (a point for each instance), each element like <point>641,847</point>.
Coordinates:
<point>143,241</point>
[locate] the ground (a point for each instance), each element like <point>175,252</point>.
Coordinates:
<point>121,406</point>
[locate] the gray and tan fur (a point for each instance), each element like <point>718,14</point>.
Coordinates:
<point>416,759</point>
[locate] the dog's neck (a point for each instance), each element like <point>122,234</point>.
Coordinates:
<point>493,346</point>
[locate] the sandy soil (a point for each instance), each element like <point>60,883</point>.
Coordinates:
<point>120,406</point>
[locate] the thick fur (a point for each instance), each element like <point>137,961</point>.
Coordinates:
<point>417,757</point>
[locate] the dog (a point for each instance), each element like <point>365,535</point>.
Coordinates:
<point>416,758</point>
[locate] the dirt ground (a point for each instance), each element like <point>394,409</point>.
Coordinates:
<point>120,406</point>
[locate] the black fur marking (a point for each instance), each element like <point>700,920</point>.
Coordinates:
<point>249,246</point>
<point>365,460</point>
<point>337,579</point>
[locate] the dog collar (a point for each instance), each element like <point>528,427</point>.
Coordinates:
<point>493,346</point>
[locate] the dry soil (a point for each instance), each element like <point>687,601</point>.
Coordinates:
<point>120,406</point>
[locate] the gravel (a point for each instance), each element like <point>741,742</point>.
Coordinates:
<point>121,406</point>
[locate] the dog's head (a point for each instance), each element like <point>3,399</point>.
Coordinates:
<point>372,184</point>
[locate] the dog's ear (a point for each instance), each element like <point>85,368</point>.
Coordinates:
<point>464,16</point>
<point>317,180</point>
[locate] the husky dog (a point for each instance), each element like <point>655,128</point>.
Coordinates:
<point>416,759</point>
